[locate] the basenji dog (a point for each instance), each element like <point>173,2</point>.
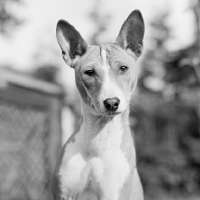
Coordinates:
<point>98,162</point>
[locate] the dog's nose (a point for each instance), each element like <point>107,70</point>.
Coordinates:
<point>111,104</point>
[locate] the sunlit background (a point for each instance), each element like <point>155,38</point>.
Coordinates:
<point>39,104</point>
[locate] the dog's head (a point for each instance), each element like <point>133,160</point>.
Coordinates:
<point>105,74</point>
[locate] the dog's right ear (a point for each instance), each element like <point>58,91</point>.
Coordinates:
<point>70,41</point>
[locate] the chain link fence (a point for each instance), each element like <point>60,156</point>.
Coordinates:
<point>29,140</point>
<point>23,167</point>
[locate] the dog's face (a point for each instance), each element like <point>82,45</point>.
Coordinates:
<point>105,74</point>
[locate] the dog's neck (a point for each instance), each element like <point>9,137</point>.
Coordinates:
<point>94,123</point>
<point>102,132</point>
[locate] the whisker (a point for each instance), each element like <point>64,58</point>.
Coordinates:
<point>132,109</point>
<point>131,105</point>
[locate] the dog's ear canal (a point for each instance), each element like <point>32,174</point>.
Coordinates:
<point>132,33</point>
<point>70,41</point>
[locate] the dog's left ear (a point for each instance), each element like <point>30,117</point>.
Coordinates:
<point>70,41</point>
<point>132,33</point>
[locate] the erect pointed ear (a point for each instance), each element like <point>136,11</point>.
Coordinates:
<point>132,33</point>
<point>70,41</point>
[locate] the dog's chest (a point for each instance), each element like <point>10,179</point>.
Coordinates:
<point>103,175</point>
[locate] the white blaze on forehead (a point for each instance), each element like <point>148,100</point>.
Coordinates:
<point>103,55</point>
<point>110,87</point>
<point>105,65</point>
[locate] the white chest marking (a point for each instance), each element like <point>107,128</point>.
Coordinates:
<point>73,175</point>
<point>106,174</point>
<point>115,165</point>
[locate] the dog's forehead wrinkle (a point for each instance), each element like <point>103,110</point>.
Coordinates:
<point>117,54</point>
<point>92,52</point>
<point>114,50</point>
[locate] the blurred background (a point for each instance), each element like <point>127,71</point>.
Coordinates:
<point>39,103</point>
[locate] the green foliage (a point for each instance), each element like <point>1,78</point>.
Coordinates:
<point>8,20</point>
<point>100,22</point>
<point>167,115</point>
<point>167,141</point>
<point>47,73</point>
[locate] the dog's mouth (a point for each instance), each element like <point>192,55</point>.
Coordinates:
<point>108,114</point>
<point>111,114</point>
<point>105,112</point>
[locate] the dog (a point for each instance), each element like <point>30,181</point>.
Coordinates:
<point>98,162</point>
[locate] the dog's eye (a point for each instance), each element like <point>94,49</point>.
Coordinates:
<point>89,72</point>
<point>123,68</point>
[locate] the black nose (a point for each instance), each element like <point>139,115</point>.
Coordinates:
<point>111,104</point>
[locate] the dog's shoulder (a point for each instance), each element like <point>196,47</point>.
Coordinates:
<point>76,130</point>
<point>66,151</point>
<point>69,148</point>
